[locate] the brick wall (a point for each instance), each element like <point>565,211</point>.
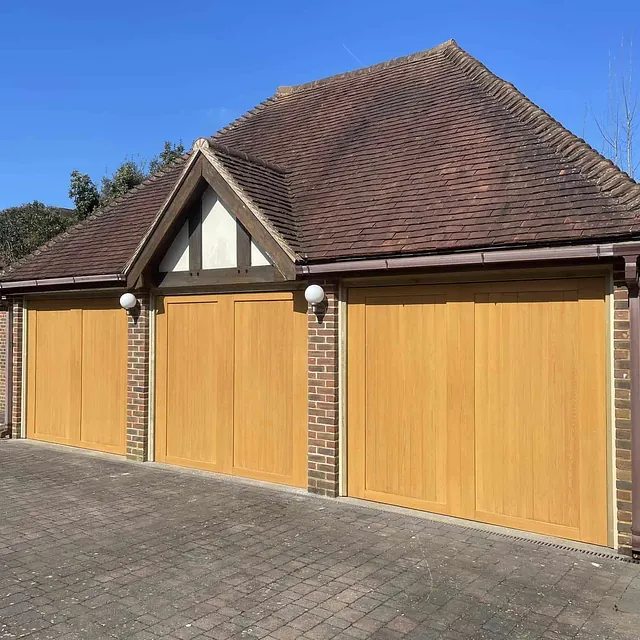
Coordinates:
<point>16,407</point>
<point>323,397</point>
<point>138,380</point>
<point>3,366</point>
<point>622,426</point>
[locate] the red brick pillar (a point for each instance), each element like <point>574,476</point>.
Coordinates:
<point>323,396</point>
<point>4,419</point>
<point>138,380</point>
<point>622,387</point>
<point>17,370</point>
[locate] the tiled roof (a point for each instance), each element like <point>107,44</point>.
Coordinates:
<point>267,185</point>
<point>427,153</point>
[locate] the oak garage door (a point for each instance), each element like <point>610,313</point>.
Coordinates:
<point>77,373</point>
<point>483,401</point>
<point>231,384</point>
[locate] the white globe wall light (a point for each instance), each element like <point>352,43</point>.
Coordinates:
<point>314,294</point>
<point>128,301</point>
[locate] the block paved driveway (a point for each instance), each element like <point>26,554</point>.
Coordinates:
<point>95,547</point>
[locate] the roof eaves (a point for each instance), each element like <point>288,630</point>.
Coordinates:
<point>18,285</point>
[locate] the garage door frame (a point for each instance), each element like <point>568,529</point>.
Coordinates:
<point>486,277</point>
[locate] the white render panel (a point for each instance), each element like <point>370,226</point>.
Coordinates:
<point>258,258</point>
<point>177,256</point>
<point>219,234</point>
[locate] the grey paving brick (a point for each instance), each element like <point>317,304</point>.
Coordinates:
<point>95,547</point>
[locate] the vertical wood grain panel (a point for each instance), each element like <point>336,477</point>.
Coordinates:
<point>194,402</point>
<point>529,362</point>
<point>592,410</point>
<point>55,345</point>
<point>104,377</point>
<point>32,351</point>
<point>161,352</point>
<point>267,378</point>
<point>406,440</point>
<point>410,406</point>
<point>460,403</point>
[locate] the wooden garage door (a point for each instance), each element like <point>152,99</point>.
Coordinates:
<point>77,373</point>
<point>231,384</point>
<point>484,401</point>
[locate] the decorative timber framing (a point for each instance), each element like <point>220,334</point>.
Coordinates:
<point>195,239</point>
<point>244,273</point>
<point>243,247</point>
<point>214,277</point>
<point>202,171</point>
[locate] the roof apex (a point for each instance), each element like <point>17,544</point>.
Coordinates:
<point>412,57</point>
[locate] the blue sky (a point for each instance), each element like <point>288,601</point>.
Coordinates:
<point>85,84</point>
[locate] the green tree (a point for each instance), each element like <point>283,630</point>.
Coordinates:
<point>84,194</point>
<point>26,227</point>
<point>128,175</point>
<point>169,153</point>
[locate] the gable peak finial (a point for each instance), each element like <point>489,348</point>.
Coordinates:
<point>200,144</point>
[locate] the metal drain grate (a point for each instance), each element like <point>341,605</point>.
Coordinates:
<point>610,555</point>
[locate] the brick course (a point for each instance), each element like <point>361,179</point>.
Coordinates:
<point>322,461</point>
<point>138,380</point>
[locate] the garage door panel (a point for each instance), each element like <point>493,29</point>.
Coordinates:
<point>194,387</point>
<point>406,416</point>
<point>266,417</point>
<point>54,373</point>
<point>526,424</point>
<point>520,402</point>
<point>103,421</point>
<point>406,439</point>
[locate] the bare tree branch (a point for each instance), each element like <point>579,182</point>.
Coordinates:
<point>619,125</point>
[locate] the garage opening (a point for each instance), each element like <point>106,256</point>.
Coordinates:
<point>483,401</point>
